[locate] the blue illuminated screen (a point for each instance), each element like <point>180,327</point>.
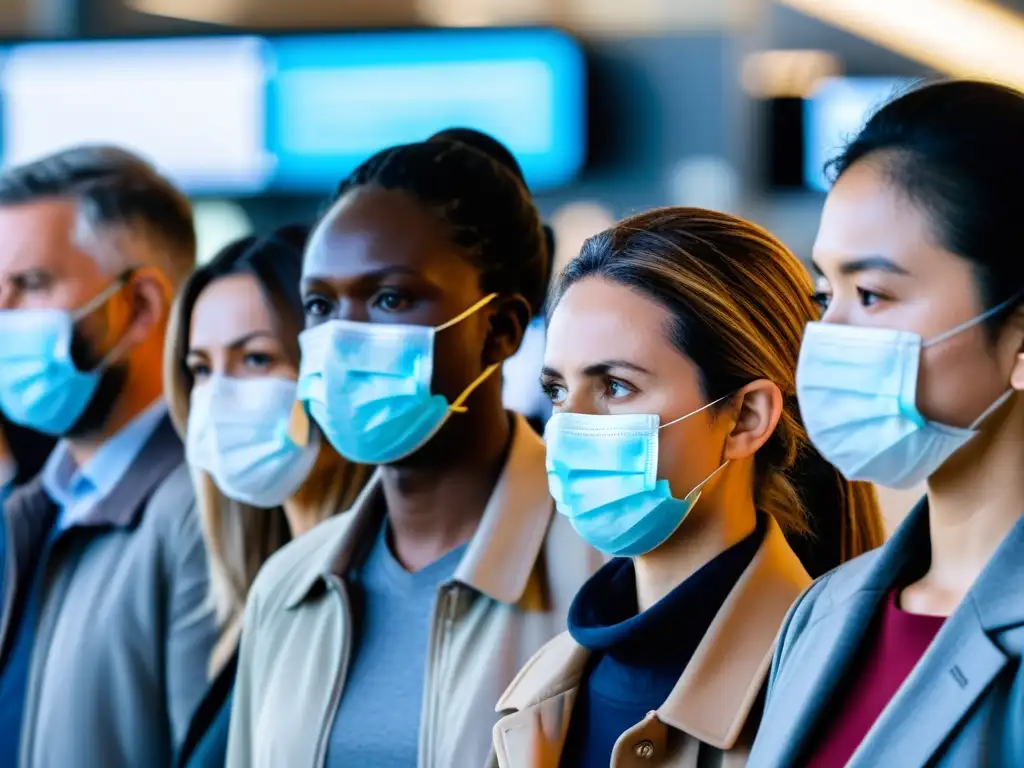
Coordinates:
<point>248,114</point>
<point>835,112</point>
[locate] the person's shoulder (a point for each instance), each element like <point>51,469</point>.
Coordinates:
<point>172,503</point>
<point>298,564</point>
<point>831,591</point>
<point>559,659</point>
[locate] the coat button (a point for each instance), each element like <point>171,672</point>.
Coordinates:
<point>645,749</point>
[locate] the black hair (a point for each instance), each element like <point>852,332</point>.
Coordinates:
<point>477,188</point>
<point>275,260</point>
<point>954,148</point>
<point>29,449</point>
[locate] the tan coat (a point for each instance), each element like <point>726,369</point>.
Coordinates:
<point>510,594</point>
<point>708,720</point>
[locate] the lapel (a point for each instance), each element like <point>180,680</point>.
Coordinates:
<point>814,666</point>
<point>122,507</point>
<point>956,669</point>
<point>541,699</point>
<point>723,680</point>
<point>28,516</point>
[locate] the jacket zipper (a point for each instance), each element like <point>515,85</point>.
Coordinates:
<point>432,694</point>
<point>340,674</point>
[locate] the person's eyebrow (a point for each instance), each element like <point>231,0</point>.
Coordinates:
<point>311,282</point>
<point>871,263</point>
<point>599,369</point>
<point>240,342</point>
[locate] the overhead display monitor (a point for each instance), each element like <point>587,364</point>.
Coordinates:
<point>834,113</point>
<point>247,114</point>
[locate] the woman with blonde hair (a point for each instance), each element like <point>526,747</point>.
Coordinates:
<point>263,475</point>
<point>676,447</point>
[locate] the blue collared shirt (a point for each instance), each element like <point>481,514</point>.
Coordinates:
<point>77,490</point>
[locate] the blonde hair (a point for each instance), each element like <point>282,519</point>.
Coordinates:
<point>739,301</point>
<point>240,538</point>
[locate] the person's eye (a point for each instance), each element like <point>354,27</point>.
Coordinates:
<point>316,306</point>
<point>258,360</point>
<point>392,300</point>
<point>618,389</point>
<point>34,282</point>
<point>198,370</point>
<point>555,392</point>
<point>869,298</point>
<point>821,300</point>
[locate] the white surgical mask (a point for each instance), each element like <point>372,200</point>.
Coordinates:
<point>238,432</point>
<point>857,389</point>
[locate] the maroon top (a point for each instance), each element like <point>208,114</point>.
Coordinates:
<point>897,641</point>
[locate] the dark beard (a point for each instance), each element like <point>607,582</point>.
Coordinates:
<point>97,413</point>
<point>112,381</point>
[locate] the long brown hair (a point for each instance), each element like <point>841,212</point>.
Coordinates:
<point>240,538</point>
<point>739,301</point>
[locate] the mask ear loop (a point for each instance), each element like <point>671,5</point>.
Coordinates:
<point>700,486</point>
<point>969,324</point>
<point>694,413</point>
<point>972,322</point>
<point>471,311</point>
<point>457,406</point>
<point>95,303</point>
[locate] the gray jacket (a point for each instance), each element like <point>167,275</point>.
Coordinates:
<point>124,631</point>
<point>963,704</point>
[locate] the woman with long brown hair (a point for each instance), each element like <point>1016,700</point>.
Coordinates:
<point>262,476</point>
<point>677,448</point>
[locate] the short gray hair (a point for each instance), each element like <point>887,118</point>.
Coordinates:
<point>116,191</point>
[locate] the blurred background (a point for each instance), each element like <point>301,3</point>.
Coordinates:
<point>259,107</point>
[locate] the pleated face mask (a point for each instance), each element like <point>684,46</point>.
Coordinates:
<point>857,389</point>
<point>239,432</point>
<point>367,385</point>
<point>602,474</point>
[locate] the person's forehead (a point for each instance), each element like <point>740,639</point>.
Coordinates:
<point>598,320</point>
<point>865,214</point>
<point>227,309</point>
<point>37,235</point>
<point>380,227</point>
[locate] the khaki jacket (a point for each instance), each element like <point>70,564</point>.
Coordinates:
<point>708,720</point>
<point>510,594</point>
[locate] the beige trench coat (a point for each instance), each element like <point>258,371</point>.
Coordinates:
<point>711,716</point>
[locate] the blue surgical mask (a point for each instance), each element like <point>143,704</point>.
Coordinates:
<point>40,387</point>
<point>367,385</point>
<point>602,474</point>
<point>239,432</point>
<point>857,389</point>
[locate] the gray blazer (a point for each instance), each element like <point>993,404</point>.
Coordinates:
<point>962,705</point>
<point>124,630</point>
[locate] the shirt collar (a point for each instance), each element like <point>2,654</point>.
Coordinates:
<point>76,490</point>
<point>501,556</point>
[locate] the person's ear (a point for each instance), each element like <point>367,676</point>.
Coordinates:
<point>1017,373</point>
<point>509,318</point>
<point>757,408</point>
<point>1016,327</point>
<point>149,297</point>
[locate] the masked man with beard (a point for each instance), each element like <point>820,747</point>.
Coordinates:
<point>104,625</point>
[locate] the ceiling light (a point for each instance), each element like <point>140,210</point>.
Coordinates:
<point>962,38</point>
